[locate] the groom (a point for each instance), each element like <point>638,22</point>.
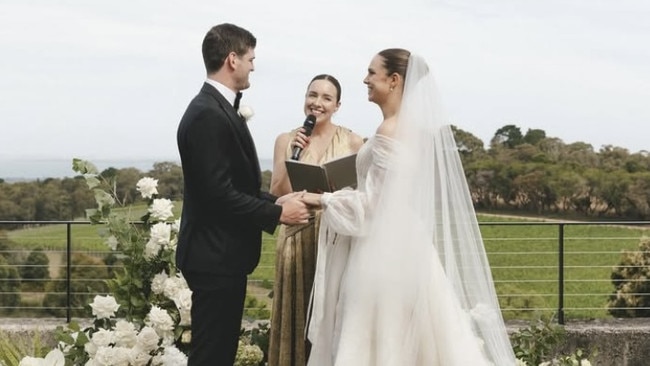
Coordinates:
<point>224,212</point>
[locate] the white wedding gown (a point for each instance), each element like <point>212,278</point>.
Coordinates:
<point>381,294</point>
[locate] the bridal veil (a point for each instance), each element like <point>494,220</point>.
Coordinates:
<point>426,194</point>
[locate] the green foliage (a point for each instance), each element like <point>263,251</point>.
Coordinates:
<point>86,276</point>
<point>256,309</point>
<point>538,343</point>
<point>35,270</point>
<point>535,343</point>
<point>75,353</point>
<point>132,284</point>
<point>9,286</point>
<point>631,297</point>
<point>13,348</point>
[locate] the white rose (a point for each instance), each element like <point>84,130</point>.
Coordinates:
<point>151,249</point>
<point>172,357</point>
<point>183,301</point>
<point>125,334</point>
<point>105,356</point>
<point>30,361</point>
<point>246,112</point>
<point>104,307</point>
<point>186,337</point>
<point>90,348</point>
<point>160,320</point>
<point>102,338</point>
<point>54,358</point>
<point>158,283</point>
<point>148,339</point>
<point>139,357</point>
<point>161,233</point>
<point>161,209</point>
<point>173,285</point>
<point>147,187</point>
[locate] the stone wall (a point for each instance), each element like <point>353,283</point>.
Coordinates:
<point>618,342</point>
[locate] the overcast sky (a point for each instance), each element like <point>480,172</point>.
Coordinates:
<point>111,79</point>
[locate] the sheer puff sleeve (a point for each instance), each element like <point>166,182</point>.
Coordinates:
<point>346,211</point>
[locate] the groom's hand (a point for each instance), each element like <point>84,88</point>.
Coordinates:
<point>294,211</point>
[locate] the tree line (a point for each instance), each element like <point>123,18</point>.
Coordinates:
<point>524,172</point>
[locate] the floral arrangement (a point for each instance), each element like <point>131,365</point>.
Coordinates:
<point>246,112</point>
<point>146,318</point>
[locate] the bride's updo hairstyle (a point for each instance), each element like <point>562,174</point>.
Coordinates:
<point>396,61</point>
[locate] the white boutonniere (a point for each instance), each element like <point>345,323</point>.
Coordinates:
<point>246,112</point>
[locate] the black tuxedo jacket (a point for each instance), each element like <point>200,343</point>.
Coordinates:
<point>224,211</point>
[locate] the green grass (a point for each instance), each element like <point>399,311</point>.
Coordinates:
<point>524,261</point>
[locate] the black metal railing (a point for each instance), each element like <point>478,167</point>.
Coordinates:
<point>511,251</point>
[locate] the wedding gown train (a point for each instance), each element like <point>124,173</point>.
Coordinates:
<point>381,296</point>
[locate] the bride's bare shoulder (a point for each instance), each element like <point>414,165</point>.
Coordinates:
<point>388,128</point>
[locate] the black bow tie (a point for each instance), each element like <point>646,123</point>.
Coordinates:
<point>237,99</point>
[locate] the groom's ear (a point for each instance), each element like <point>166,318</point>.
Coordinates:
<point>231,60</point>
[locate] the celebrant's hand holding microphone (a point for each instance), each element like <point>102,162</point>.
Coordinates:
<point>302,136</point>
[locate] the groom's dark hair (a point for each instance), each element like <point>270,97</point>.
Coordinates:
<point>223,39</point>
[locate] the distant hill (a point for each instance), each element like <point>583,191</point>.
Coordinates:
<point>16,170</point>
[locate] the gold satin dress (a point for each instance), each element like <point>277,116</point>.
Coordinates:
<point>295,265</point>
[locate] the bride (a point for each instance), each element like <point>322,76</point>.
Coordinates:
<point>402,277</point>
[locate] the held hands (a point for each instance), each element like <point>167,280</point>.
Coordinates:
<point>311,199</point>
<point>294,211</point>
<point>297,207</point>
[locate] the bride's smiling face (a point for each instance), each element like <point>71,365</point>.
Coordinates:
<point>377,80</point>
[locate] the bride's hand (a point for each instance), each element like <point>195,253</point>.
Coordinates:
<point>311,199</point>
<point>287,197</point>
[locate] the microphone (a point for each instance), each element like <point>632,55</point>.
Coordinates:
<point>308,126</point>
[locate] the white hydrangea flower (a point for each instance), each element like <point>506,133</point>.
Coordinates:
<point>147,187</point>
<point>246,112</point>
<point>161,209</point>
<point>104,307</point>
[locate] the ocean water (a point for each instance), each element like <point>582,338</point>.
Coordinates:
<point>12,170</point>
